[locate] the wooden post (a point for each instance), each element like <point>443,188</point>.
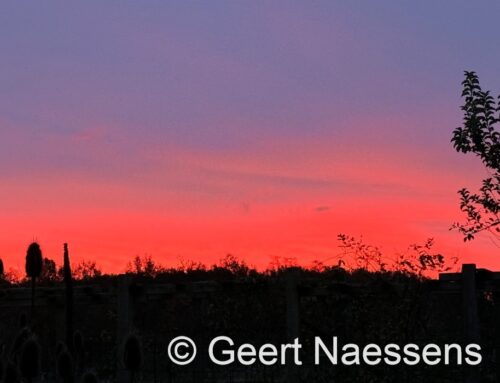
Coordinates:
<point>123,324</point>
<point>292,317</point>
<point>470,317</point>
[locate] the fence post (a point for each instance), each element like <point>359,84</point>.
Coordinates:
<point>470,317</point>
<point>292,316</point>
<point>124,324</point>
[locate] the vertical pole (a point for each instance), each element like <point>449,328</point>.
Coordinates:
<point>123,325</point>
<point>292,317</point>
<point>69,298</point>
<point>470,317</point>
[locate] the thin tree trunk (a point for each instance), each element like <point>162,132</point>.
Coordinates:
<point>32,299</point>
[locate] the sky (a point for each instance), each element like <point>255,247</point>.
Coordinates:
<point>187,130</point>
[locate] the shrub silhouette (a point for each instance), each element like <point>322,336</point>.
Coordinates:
<point>87,270</point>
<point>132,355</point>
<point>29,363</point>
<point>1,269</point>
<point>144,266</point>
<point>49,272</point>
<point>34,262</point>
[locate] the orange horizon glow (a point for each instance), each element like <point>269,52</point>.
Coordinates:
<point>291,209</point>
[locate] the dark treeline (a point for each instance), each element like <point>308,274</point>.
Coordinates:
<point>354,255</point>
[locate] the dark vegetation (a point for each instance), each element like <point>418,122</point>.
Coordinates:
<point>479,135</point>
<point>37,353</point>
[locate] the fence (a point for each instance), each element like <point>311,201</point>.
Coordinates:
<point>291,304</point>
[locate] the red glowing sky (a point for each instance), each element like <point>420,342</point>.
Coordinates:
<point>192,131</point>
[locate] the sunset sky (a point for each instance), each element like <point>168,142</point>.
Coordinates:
<point>190,129</point>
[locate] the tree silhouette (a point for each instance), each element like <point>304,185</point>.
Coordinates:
<point>34,263</point>
<point>87,270</point>
<point>49,271</point>
<point>479,135</point>
<point>1,268</point>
